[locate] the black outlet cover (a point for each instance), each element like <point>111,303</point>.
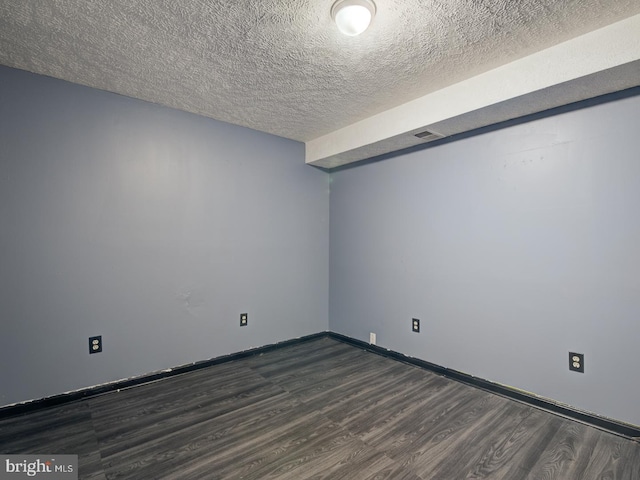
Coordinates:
<point>95,344</point>
<point>576,362</point>
<point>244,319</point>
<point>415,325</point>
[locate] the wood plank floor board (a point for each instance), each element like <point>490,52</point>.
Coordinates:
<point>321,409</point>
<point>630,459</point>
<point>16,433</point>
<point>336,384</point>
<point>225,377</point>
<point>150,428</point>
<point>223,447</point>
<point>63,430</point>
<point>314,348</point>
<point>512,454</point>
<point>453,446</point>
<point>578,451</point>
<point>377,407</point>
<point>420,422</point>
<point>339,462</point>
<point>180,448</point>
<point>307,379</point>
<point>157,412</point>
<point>303,358</point>
<point>305,448</point>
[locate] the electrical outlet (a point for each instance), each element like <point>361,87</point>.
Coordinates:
<point>415,325</point>
<point>244,319</point>
<point>576,362</point>
<point>95,344</point>
<point>372,338</point>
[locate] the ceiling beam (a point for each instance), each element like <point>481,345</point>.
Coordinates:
<point>600,62</point>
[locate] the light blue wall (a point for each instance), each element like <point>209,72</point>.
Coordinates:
<point>152,227</point>
<point>513,247</point>
<point>156,229</point>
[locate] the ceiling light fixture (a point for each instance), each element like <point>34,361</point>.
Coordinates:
<point>353,16</point>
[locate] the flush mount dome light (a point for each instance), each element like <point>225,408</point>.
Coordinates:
<point>353,16</point>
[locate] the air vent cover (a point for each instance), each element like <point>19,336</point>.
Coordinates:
<point>428,136</point>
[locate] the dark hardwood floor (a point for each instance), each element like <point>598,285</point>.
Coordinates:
<point>320,409</point>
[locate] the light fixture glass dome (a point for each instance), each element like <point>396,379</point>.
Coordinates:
<point>353,16</point>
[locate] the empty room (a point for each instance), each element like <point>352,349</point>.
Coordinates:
<point>352,239</point>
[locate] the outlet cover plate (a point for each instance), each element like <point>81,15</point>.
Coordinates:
<point>95,344</point>
<point>244,319</point>
<point>576,362</point>
<point>415,325</point>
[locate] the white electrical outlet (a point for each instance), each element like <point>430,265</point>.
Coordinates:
<point>372,338</point>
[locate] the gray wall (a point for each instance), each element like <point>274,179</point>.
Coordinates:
<point>152,227</point>
<point>513,247</point>
<point>156,229</point>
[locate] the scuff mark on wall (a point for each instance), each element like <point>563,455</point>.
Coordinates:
<point>191,300</point>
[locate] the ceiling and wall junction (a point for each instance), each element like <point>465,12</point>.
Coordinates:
<point>284,68</point>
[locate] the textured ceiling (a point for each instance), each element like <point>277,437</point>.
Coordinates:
<point>281,66</point>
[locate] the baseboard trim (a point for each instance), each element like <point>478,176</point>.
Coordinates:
<point>55,400</point>
<point>625,430</point>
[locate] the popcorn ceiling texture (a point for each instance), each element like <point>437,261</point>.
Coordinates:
<point>280,66</point>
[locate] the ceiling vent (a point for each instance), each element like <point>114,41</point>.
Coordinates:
<point>428,136</point>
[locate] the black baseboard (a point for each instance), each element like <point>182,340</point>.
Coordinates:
<point>32,405</point>
<point>628,431</point>
<point>631,432</point>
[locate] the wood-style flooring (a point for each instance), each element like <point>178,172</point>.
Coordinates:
<point>319,409</point>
